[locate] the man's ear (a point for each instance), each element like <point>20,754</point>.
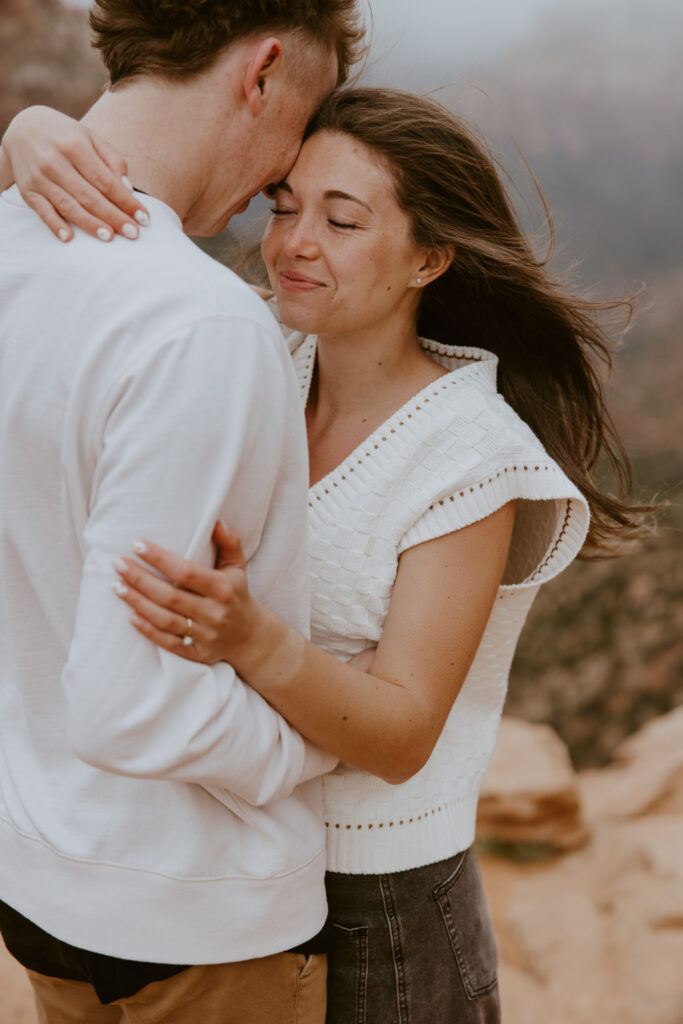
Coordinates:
<point>266,60</point>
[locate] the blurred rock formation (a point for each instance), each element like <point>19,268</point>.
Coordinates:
<point>595,934</point>
<point>46,57</point>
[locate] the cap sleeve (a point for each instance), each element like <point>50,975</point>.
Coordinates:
<point>551,520</point>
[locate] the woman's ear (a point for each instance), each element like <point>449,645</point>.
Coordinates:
<point>266,61</point>
<point>435,263</point>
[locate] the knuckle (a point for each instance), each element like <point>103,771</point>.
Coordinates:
<point>215,618</point>
<point>102,181</point>
<point>71,147</point>
<point>66,206</point>
<point>36,177</point>
<point>189,578</point>
<point>168,624</point>
<point>83,197</point>
<point>175,601</point>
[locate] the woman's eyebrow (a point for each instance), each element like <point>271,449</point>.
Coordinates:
<point>332,193</point>
<point>336,194</point>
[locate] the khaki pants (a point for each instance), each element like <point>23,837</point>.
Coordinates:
<point>284,989</point>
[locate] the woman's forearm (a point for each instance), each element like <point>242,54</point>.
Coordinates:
<point>372,722</point>
<point>6,176</point>
<point>387,720</point>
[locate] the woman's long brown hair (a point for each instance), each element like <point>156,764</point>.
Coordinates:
<point>497,294</point>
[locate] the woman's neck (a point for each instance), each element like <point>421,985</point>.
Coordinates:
<point>360,381</point>
<point>365,370</point>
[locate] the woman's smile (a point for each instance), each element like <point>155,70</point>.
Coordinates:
<point>294,281</point>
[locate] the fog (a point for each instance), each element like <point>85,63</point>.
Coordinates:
<point>418,37</point>
<point>430,42</point>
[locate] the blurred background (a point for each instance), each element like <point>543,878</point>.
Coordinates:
<point>592,95</point>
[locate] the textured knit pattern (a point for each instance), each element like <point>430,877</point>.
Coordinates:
<point>449,457</point>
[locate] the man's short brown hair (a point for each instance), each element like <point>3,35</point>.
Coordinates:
<point>180,38</point>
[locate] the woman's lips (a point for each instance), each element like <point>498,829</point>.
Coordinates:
<point>292,281</point>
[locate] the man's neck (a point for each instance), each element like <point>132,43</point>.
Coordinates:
<point>156,128</point>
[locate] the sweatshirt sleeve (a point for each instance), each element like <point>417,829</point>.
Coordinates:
<point>191,432</point>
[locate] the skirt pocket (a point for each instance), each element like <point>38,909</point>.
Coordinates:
<point>461,900</point>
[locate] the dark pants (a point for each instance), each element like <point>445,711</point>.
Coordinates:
<point>414,947</point>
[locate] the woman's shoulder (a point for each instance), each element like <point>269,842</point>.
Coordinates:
<point>477,454</point>
<point>467,413</point>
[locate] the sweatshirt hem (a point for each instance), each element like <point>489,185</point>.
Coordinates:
<point>137,915</point>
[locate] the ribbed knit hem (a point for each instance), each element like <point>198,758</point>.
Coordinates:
<point>403,841</point>
<point>138,915</point>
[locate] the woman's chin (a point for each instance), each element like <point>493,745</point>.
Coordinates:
<point>296,317</point>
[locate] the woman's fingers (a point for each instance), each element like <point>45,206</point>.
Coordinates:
<point>172,600</point>
<point>169,642</point>
<point>229,546</point>
<point>184,573</point>
<point>83,180</point>
<point>161,618</point>
<point>105,191</point>
<point>80,202</point>
<point>57,207</point>
<point>49,215</point>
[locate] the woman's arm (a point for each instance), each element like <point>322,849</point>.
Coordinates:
<point>6,176</point>
<point>67,173</point>
<point>387,721</point>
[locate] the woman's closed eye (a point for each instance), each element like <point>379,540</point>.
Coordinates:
<point>340,224</point>
<point>279,211</point>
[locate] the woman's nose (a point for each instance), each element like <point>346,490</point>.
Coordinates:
<point>300,241</point>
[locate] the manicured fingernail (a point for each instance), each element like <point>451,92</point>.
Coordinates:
<point>63,235</point>
<point>119,588</point>
<point>104,234</point>
<point>142,218</point>
<point>139,547</point>
<point>126,181</point>
<point>120,565</point>
<point>130,231</point>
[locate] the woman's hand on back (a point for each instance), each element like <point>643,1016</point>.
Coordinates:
<point>225,619</point>
<point>69,175</point>
<point>212,606</point>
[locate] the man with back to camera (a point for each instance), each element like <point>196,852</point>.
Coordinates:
<point>161,844</point>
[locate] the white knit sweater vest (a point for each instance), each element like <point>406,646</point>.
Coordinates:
<point>449,457</point>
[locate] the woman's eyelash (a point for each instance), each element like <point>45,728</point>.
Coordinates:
<point>277,212</point>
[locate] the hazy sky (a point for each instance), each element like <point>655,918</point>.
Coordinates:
<point>417,35</point>
<point>426,38</point>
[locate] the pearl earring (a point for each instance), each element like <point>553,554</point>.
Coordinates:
<point>419,280</point>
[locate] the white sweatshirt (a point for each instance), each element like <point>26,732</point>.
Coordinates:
<point>150,808</point>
